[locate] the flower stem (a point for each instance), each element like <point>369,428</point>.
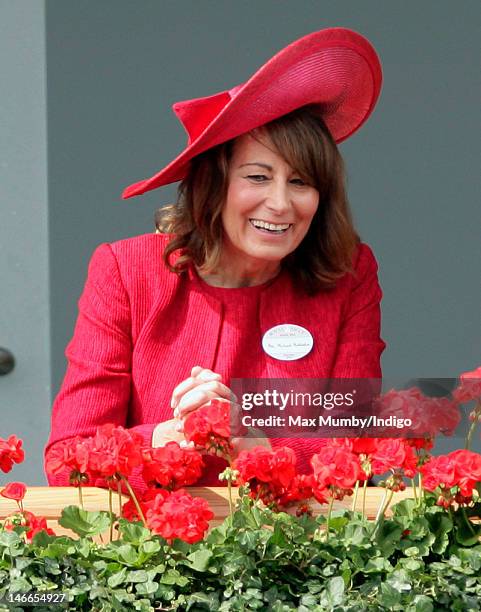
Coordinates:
<point>111,516</point>
<point>413,484</point>
<point>135,500</point>
<point>477,414</point>
<point>80,496</point>
<point>119,491</point>
<point>382,509</point>
<point>229,490</point>
<point>364,491</point>
<point>331,503</point>
<point>354,500</point>
<point>421,492</point>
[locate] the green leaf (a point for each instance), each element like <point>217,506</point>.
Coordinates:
<point>378,565</point>
<point>133,532</point>
<point>137,576</point>
<point>150,546</point>
<point>210,600</point>
<point>423,603</point>
<point>147,588</point>
<point>19,584</point>
<point>173,576</point>
<point>467,533</point>
<point>83,522</point>
<point>117,578</point>
<point>335,589</point>
<point>387,537</point>
<point>390,596</point>
<point>199,560</point>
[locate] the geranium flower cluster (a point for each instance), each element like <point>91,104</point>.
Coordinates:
<point>429,415</point>
<point>453,477</point>
<point>172,514</point>
<point>338,466</point>
<point>272,476</point>
<point>209,427</point>
<point>469,388</point>
<point>11,452</point>
<point>24,518</point>
<point>33,523</point>
<point>113,453</point>
<point>171,467</point>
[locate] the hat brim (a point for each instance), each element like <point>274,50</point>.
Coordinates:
<point>336,69</point>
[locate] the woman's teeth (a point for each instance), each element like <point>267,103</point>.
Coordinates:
<point>271,227</point>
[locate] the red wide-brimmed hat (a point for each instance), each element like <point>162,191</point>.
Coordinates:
<point>335,69</point>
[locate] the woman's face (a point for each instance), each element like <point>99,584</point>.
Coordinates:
<point>268,208</point>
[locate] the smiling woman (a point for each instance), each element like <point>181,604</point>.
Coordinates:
<point>260,240</point>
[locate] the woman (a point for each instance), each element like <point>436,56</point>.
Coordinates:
<point>261,237</point>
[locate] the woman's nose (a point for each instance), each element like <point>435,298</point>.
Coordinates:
<point>278,200</point>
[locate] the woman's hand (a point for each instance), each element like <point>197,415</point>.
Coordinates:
<point>248,442</point>
<point>202,386</point>
<point>168,432</point>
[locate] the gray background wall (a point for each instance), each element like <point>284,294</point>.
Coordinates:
<point>113,70</point>
<point>25,394</point>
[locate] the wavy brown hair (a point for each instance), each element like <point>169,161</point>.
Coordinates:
<point>302,139</point>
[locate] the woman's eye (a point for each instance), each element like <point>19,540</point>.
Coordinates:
<point>257,178</point>
<point>298,181</point>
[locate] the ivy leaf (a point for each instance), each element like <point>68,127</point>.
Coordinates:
<point>422,603</point>
<point>199,560</point>
<point>83,522</point>
<point>117,578</point>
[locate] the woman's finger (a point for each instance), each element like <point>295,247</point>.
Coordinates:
<point>201,394</point>
<point>201,375</point>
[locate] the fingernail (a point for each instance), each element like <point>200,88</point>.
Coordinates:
<point>179,426</point>
<point>176,413</point>
<point>173,403</point>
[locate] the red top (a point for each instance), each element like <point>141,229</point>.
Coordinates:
<point>141,329</point>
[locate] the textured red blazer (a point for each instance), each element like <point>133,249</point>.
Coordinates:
<point>141,328</point>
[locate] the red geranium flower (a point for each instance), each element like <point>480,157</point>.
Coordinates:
<point>171,466</point>
<point>429,415</point>
<point>72,455</point>
<point>14,490</point>
<point>272,476</point>
<point>35,525</point>
<point>469,387</point>
<point>179,515</point>
<point>32,522</point>
<point>468,470</point>
<point>461,469</point>
<point>10,452</point>
<point>114,451</point>
<point>439,471</point>
<point>394,454</point>
<point>209,427</point>
<point>338,469</point>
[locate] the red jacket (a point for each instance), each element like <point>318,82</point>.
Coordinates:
<point>141,328</point>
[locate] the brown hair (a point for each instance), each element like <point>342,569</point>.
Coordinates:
<point>302,139</point>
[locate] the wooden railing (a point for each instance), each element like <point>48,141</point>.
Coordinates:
<point>50,501</point>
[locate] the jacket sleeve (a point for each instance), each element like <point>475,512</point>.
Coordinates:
<point>359,343</point>
<point>97,385</point>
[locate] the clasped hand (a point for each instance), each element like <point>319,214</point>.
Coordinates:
<point>202,386</point>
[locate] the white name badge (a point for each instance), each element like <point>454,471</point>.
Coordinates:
<point>287,342</point>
